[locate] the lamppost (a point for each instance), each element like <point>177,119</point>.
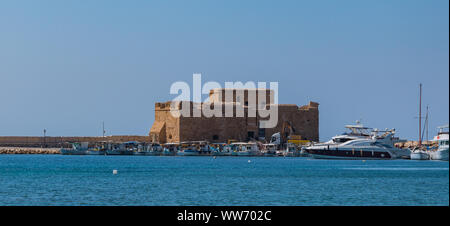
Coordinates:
<point>45,131</point>
<point>104,130</point>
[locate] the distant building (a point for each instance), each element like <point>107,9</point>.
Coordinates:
<point>292,120</point>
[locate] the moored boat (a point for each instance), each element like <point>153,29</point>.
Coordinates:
<point>443,141</point>
<point>96,151</point>
<point>269,150</point>
<point>188,151</point>
<point>246,149</point>
<point>359,147</point>
<point>153,149</point>
<point>292,151</point>
<point>77,149</point>
<point>220,149</point>
<point>126,148</point>
<point>170,149</point>
<point>141,149</point>
<point>99,148</point>
<point>419,155</point>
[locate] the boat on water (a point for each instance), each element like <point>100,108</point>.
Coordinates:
<point>221,149</point>
<point>96,151</point>
<point>170,149</point>
<point>126,148</point>
<point>77,149</point>
<point>195,148</point>
<point>361,143</point>
<point>153,149</point>
<point>443,141</point>
<point>99,148</point>
<point>229,149</point>
<point>188,150</point>
<point>203,147</point>
<point>293,151</point>
<point>141,149</point>
<point>419,155</point>
<point>269,150</point>
<point>246,149</point>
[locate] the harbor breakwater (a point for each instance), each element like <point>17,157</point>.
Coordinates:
<point>58,142</point>
<point>27,150</point>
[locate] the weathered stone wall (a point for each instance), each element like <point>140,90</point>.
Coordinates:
<point>242,96</point>
<point>212,129</point>
<point>304,121</point>
<point>165,127</point>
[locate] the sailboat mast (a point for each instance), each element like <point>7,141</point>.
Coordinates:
<point>427,122</point>
<point>420,116</point>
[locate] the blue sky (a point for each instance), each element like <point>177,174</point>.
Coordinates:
<point>69,65</point>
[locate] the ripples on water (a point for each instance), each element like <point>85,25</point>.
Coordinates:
<point>155,180</point>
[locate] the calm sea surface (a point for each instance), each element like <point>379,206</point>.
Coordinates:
<point>155,180</point>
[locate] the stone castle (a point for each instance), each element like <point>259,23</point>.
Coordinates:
<point>301,121</point>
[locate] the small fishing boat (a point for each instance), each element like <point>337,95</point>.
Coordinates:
<point>170,149</point>
<point>99,148</point>
<point>419,155</point>
<point>220,149</point>
<point>269,150</point>
<point>96,151</point>
<point>77,149</point>
<point>228,149</point>
<point>126,148</point>
<point>153,150</point>
<point>246,149</point>
<point>291,151</point>
<point>189,151</point>
<point>141,149</point>
<point>203,147</point>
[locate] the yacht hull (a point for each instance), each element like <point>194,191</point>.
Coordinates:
<point>344,158</point>
<point>349,154</point>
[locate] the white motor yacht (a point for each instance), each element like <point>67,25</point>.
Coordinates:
<point>359,146</point>
<point>442,138</point>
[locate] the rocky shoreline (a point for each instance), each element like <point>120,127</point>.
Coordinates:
<point>26,150</point>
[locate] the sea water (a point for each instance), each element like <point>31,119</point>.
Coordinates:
<point>173,180</point>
